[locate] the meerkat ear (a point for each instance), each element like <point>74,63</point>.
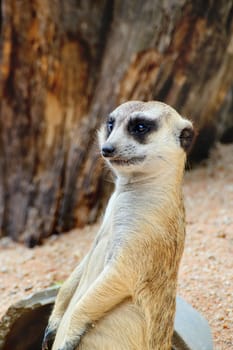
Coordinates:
<point>187,137</point>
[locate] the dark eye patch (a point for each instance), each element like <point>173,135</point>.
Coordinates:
<point>110,125</point>
<point>139,127</point>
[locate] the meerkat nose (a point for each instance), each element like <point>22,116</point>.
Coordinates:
<point>108,150</point>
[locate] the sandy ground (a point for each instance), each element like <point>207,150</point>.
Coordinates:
<point>206,273</point>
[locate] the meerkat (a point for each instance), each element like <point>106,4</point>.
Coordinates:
<point>122,296</point>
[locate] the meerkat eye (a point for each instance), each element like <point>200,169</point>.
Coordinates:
<point>141,128</point>
<point>110,126</point>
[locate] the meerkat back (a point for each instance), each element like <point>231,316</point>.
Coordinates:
<point>123,295</point>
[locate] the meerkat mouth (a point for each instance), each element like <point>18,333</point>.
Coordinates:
<point>123,162</point>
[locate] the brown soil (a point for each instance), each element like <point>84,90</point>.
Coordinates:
<point>206,274</point>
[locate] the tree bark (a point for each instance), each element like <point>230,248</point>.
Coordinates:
<point>64,65</point>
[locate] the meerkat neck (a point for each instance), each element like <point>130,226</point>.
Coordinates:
<point>171,178</point>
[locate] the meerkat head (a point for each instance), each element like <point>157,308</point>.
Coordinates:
<point>145,137</point>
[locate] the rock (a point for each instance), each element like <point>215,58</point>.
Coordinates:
<point>22,327</point>
<point>192,331</point>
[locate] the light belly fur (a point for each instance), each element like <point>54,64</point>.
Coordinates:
<point>121,329</point>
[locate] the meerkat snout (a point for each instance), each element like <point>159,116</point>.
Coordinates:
<point>107,150</point>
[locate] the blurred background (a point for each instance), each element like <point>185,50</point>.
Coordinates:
<point>65,64</point>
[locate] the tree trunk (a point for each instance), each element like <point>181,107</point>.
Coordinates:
<point>64,65</point>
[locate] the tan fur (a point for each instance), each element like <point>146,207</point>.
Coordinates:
<point>122,296</point>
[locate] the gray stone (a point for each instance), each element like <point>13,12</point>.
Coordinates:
<point>23,325</point>
<point>192,331</point>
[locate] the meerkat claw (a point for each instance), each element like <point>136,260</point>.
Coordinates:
<point>49,337</point>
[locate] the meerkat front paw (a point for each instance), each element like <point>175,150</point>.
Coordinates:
<point>71,342</point>
<point>49,336</point>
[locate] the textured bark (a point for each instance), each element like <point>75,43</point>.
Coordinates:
<point>65,64</point>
